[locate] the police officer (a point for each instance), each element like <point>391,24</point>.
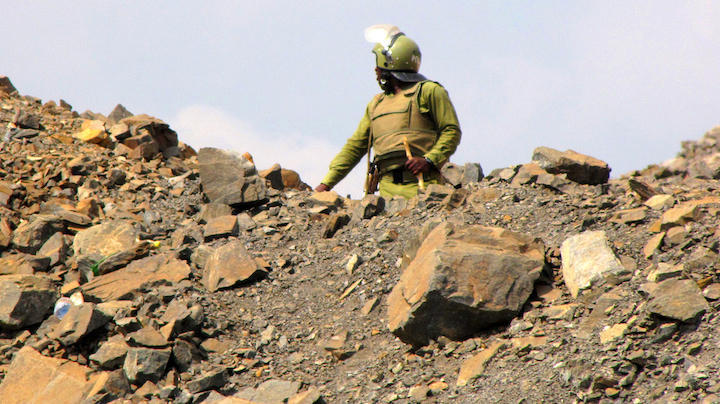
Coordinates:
<point>410,107</point>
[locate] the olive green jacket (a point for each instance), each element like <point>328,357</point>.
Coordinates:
<point>434,101</point>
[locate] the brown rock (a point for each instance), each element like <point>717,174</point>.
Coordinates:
<point>678,299</point>
<point>34,378</point>
<point>579,168</point>
<point>273,176</point>
<point>463,279</point>
<point>126,282</point>
<point>229,265</point>
<point>336,222</point>
<point>111,353</point>
<point>93,131</point>
<point>105,239</point>
<point>653,244</point>
<point>475,366</point>
<point>6,85</point>
<point>229,178</point>
<point>221,227</point>
<point>79,321</point>
<point>628,216</point>
<point>528,174</point>
<point>328,198</point>
<point>212,210</point>
<point>30,236</point>
<point>24,300</point>
<point>291,180</point>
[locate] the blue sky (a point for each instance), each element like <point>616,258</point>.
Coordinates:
<point>288,81</point>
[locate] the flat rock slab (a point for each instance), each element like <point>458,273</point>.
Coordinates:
<point>105,239</point>
<point>271,391</point>
<point>111,353</point>
<point>578,167</point>
<point>679,299</point>
<point>229,265</point>
<point>34,378</point>
<point>25,300</point>
<point>588,259</point>
<point>475,366</point>
<point>464,278</point>
<point>229,178</point>
<point>124,283</point>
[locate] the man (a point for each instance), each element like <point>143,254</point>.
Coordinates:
<point>410,107</point>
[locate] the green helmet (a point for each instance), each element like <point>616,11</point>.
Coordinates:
<point>395,52</point>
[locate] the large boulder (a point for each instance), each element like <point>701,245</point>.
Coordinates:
<point>463,278</point>
<point>25,300</point>
<point>229,178</point>
<point>587,260</point>
<point>578,167</point>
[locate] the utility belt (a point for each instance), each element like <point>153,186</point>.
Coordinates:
<point>393,165</point>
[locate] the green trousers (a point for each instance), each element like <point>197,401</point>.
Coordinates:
<point>388,188</point>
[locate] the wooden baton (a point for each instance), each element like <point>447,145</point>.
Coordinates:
<point>421,183</point>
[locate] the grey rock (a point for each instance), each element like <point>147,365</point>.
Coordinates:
<point>118,113</point>
<point>111,353</point>
<point>79,321</point>
<point>184,354</point>
<point>213,210</point>
<point>207,381</point>
<point>369,206</point>
<point>24,300</point>
<point>30,236</point>
<point>472,173</point>
<point>579,168</point>
<point>271,391</point>
<point>452,173</point>
<point>229,265</point>
<point>587,259</point>
<point>27,120</point>
<point>229,178</point>
<point>145,364</point>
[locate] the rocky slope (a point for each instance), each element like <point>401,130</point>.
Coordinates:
<point>196,278</point>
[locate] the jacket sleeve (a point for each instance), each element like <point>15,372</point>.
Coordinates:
<point>351,154</point>
<point>434,100</point>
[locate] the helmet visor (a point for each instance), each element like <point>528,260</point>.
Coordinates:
<point>408,77</point>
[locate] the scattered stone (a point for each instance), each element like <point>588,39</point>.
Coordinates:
<point>146,272</point>
<point>207,381</point>
<point>221,227</point>
<point>79,321</point>
<point>587,259</point>
<point>34,378</point>
<point>578,167</point>
<point>665,271</point>
<point>229,178</point>
<point>660,202</point>
<point>336,222</point>
<point>111,353</point>
<point>145,364</point>
<point>629,216</point>
<point>25,300</point>
<point>475,366</point>
<point>271,391</point>
<point>678,299</point>
<point>228,265</point>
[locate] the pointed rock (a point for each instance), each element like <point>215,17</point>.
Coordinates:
<point>229,178</point>
<point>24,300</point>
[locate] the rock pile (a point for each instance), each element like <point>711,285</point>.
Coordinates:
<point>131,270</point>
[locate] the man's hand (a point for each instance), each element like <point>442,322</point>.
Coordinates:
<point>418,165</point>
<point>322,188</point>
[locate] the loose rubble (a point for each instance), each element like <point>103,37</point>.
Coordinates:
<point>196,277</point>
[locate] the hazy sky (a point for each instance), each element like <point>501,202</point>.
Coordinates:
<point>288,81</point>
